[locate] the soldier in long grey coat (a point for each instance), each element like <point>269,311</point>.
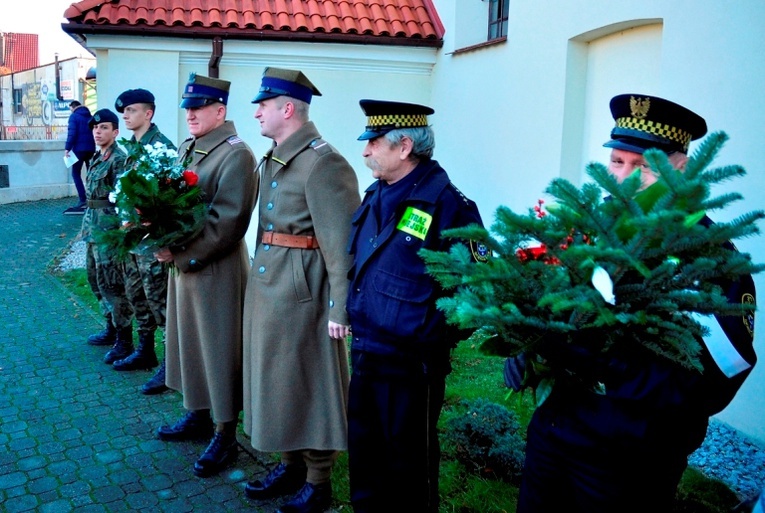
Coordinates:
<point>295,324</point>
<point>206,290</point>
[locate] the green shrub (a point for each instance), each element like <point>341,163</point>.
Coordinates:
<point>487,439</point>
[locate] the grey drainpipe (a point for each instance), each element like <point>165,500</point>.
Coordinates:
<point>58,79</point>
<point>217,53</point>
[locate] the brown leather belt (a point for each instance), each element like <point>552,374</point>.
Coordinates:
<point>100,204</point>
<point>290,241</point>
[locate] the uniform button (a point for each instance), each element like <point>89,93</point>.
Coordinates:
<point>262,269</point>
<point>358,290</point>
<point>371,239</point>
<point>273,184</point>
<point>266,247</point>
<point>374,245</point>
<point>408,238</point>
<point>331,303</point>
<point>270,227</point>
<point>270,206</point>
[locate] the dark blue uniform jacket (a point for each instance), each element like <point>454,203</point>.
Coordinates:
<point>650,400</point>
<point>391,298</point>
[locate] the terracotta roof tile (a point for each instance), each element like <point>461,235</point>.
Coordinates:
<point>403,22</point>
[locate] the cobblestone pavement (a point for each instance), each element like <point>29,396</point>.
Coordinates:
<point>75,435</point>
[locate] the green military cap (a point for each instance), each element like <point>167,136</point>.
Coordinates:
<point>285,82</point>
<point>201,90</point>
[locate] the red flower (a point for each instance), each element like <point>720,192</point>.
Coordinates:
<point>190,177</point>
<point>537,253</point>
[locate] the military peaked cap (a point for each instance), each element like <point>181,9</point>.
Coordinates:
<point>285,82</point>
<point>103,116</point>
<point>644,122</point>
<point>384,116</point>
<point>201,91</point>
<point>132,96</point>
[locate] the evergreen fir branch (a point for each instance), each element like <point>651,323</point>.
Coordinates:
<point>705,153</point>
<point>662,264</point>
<point>722,174</point>
<point>722,201</point>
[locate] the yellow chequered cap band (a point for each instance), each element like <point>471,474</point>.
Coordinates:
<point>659,129</point>
<point>397,121</point>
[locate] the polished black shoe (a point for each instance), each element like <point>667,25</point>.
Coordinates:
<point>194,425</point>
<point>156,385</point>
<point>312,498</point>
<point>281,480</point>
<point>221,451</point>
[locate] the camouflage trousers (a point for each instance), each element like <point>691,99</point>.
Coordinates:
<point>106,278</point>
<point>146,289</point>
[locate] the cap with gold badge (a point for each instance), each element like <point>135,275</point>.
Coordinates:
<point>644,122</point>
<point>285,82</point>
<point>201,91</point>
<point>384,116</point>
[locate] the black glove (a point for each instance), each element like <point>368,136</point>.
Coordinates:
<point>515,371</point>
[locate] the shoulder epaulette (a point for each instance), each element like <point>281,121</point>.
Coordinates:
<point>459,192</point>
<point>320,146</point>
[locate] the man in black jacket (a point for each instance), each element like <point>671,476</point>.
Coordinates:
<point>401,342</point>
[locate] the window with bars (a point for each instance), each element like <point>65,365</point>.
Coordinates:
<point>498,14</point>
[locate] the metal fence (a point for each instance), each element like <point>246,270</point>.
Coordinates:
<point>33,133</point>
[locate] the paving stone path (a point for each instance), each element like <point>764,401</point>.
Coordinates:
<point>75,435</point>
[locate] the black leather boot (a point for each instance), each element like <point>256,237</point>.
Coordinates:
<point>312,498</point>
<point>105,337</point>
<point>122,347</point>
<point>156,385</point>
<point>194,425</point>
<point>143,357</point>
<point>281,480</point>
<point>221,451</point>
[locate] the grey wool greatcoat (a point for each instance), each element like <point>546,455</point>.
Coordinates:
<point>295,376</point>
<point>206,292</point>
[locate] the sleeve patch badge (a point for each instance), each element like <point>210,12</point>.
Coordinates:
<point>748,299</point>
<point>415,222</point>
<point>479,251</point>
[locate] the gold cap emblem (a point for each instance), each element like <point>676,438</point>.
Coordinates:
<point>639,107</point>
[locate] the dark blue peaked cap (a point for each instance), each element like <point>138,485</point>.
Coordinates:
<point>132,96</point>
<point>644,122</point>
<point>384,116</point>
